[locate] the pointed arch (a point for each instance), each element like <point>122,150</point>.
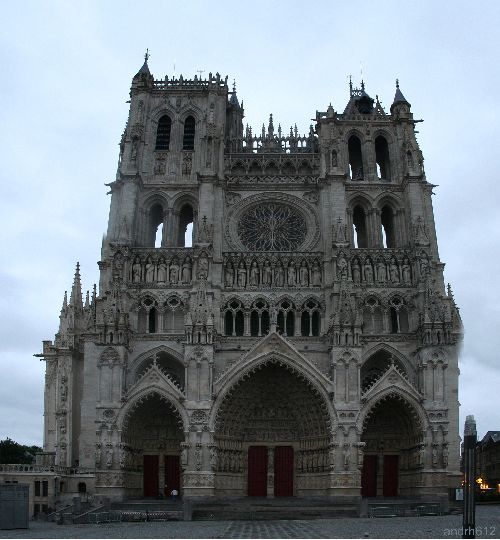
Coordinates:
<point>384,347</point>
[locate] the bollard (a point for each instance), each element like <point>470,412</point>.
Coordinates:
<point>469,514</point>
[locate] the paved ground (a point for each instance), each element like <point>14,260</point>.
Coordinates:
<point>487,526</point>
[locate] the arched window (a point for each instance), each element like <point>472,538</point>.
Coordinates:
<point>286,318</point>
<point>388,228</point>
<point>382,158</point>
<point>189,130</point>
<point>359,227</point>
<point>173,316</point>
<point>186,218</point>
<point>398,316</point>
<point>376,366</point>
<point>82,487</point>
<point>355,158</point>
<point>148,317</point>
<point>234,320</point>
<point>163,133</point>
<point>155,230</point>
<point>166,363</point>
<point>259,318</point>
<point>310,319</point>
<point>372,316</point>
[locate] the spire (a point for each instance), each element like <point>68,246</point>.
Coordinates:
<point>87,300</point>
<point>270,129</point>
<point>398,97</point>
<point>65,302</point>
<point>144,71</point>
<point>234,98</point>
<point>75,299</point>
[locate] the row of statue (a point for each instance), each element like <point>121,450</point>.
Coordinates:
<point>241,276</point>
<point>380,271</point>
<point>174,271</point>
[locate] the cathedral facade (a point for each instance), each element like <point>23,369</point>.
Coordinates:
<point>299,342</point>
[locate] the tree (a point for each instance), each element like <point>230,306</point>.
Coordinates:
<point>13,452</point>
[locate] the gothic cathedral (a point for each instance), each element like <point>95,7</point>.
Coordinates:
<point>271,318</point>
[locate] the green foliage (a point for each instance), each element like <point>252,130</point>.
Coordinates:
<point>13,452</point>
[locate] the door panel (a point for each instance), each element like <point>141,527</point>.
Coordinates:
<point>283,471</point>
<point>369,477</point>
<point>150,473</point>
<point>391,476</point>
<point>172,474</point>
<point>257,471</point>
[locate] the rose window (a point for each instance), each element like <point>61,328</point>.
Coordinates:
<point>272,227</point>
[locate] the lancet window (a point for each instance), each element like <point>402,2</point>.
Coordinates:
<point>148,316</point>
<point>382,158</point>
<point>286,318</point>
<point>186,218</point>
<point>155,229</point>
<point>163,133</point>
<point>398,316</point>
<point>388,228</point>
<point>259,318</point>
<point>359,227</point>
<point>189,132</point>
<point>234,319</point>
<point>355,158</point>
<point>310,319</point>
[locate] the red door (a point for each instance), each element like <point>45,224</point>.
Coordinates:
<point>150,472</point>
<point>172,474</point>
<point>369,477</point>
<point>283,471</point>
<point>391,476</point>
<point>257,471</point>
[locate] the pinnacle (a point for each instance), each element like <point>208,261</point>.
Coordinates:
<point>75,299</point>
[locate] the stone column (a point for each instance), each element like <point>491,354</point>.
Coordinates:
<point>270,472</point>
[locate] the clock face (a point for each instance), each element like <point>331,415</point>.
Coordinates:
<point>272,226</point>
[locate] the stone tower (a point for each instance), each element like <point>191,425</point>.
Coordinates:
<point>300,341</point>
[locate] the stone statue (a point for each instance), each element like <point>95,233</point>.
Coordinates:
<point>434,455</point>
<point>279,275</point>
<point>304,274</point>
<point>393,269</point>
<point>266,274</point>
<point>242,275</point>
<point>346,452</point>
<point>97,453</point>
<point>109,457</point>
<point>381,272</point>
<point>174,271</point>
<point>342,268</point>
<point>316,275</point>
<point>356,271</point>
<point>424,266</point>
<point>368,272</point>
<point>406,272</point>
<point>291,274</point>
<point>254,274</point>
<point>446,454</point>
<point>150,271</point>
<point>161,275</point>
<point>187,270</point>
<point>202,267</point>
<point>136,271</point>
<point>229,275</point>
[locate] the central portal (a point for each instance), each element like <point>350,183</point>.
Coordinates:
<point>272,436</point>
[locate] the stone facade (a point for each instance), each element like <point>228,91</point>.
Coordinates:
<point>305,337</point>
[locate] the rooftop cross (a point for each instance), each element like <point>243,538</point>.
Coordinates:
<point>146,55</point>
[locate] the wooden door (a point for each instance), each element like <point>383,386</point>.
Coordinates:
<point>391,476</point>
<point>283,471</point>
<point>257,471</point>
<point>369,477</point>
<point>172,474</point>
<point>151,470</point>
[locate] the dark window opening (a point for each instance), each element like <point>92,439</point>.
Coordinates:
<point>163,133</point>
<point>254,324</point>
<point>186,218</point>
<point>280,322</point>
<point>359,227</point>
<point>37,488</point>
<point>189,130</point>
<point>388,229</point>
<point>315,323</point>
<point>155,226</point>
<point>82,487</point>
<point>290,323</point>
<point>152,321</point>
<point>45,488</point>
<point>228,323</point>
<point>239,323</point>
<point>382,158</point>
<point>394,321</point>
<point>355,158</point>
<point>264,323</point>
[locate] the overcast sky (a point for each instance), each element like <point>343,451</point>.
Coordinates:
<point>66,74</point>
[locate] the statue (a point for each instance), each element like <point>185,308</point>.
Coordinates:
<point>279,275</point>
<point>424,266</point>
<point>316,275</point>
<point>150,271</point>
<point>291,274</point>
<point>174,271</point>
<point>381,272</point>
<point>161,275</point>
<point>187,270</point>
<point>266,274</point>
<point>347,457</point>
<point>136,270</point>
<point>304,274</point>
<point>229,275</point>
<point>342,268</point>
<point>446,454</point>
<point>356,271</point>
<point>368,272</point>
<point>406,272</point>
<point>393,270</point>
<point>242,275</point>
<point>254,274</point>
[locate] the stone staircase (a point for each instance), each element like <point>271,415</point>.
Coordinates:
<point>256,508</point>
